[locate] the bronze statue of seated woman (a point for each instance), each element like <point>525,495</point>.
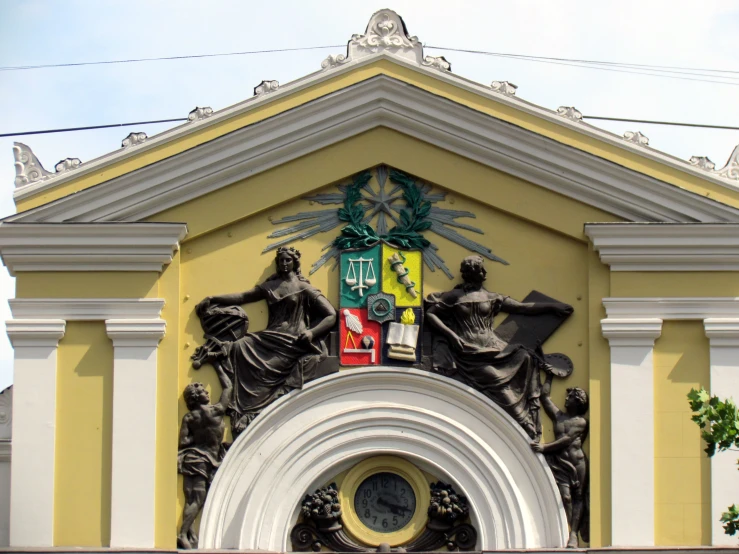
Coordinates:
<point>267,364</point>
<point>467,348</point>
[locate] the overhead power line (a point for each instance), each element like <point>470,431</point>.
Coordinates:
<point>716,76</point>
<point>164,58</point>
<point>92,127</point>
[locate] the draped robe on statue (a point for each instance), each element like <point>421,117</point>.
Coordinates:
<point>506,373</point>
<point>270,363</point>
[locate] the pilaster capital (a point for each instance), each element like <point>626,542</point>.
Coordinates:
<point>135,332</point>
<point>722,331</point>
<point>35,332</point>
<point>642,331</point>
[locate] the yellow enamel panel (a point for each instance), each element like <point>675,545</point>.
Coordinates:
<point>483,104</point>
<point>390,278</point>
<point>84,419</point>
<point>682,470</point>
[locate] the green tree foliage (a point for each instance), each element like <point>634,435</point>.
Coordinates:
<point>719,423</point>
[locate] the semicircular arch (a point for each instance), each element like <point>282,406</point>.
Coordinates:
<point>451,431</point>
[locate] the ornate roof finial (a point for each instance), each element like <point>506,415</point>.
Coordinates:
<point>28,168</point>
<point>266,87</point>
<point>437,62</point>
<point>570,112</point>
<point>731,169</point>
<point>386,31</point>
<point>200,113</point>
<point>504,87</point>
<point>636,138</point>
<point>67,164</point>
<point>702,162</point>
<point>133,139</point>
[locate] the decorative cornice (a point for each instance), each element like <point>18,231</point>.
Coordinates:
<point>731,169</point>
<point>6,413</point>
<point>265,87</point>
<point>631,331</point>
<point>722,331</point>
<point>333,60</point>
<point>666,247</point>
<point>672,308</point>
<point>35,332</point>
<point>636,137</point>
<point>412,62</point>
<point>85,309</point>
<point>437,62</point>
<point>134,139</point>
<point>702,162</point>
<point>135,332</point>
<point>382,101</point>
<point>200,113</point>
<point>504,87</point>
<point>386,31</point>
<point>28,168</point>
<point>89,246</point>
<point>570,112</point>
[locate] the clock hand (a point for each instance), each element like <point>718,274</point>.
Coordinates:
<point>396,509</point>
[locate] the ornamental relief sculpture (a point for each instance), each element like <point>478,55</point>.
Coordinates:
<point>386,219</point>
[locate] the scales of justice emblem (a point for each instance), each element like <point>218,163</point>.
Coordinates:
<point>380,306</point>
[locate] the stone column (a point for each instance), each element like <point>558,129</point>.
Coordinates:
<point>35,342</point>
<point>133,485</point>
<point>632,428</point>
<point>723,335</point>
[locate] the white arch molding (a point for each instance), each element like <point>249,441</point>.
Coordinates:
<point>448,429</point>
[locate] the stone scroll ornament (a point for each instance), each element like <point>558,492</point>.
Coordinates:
<point>201,449</point>
<point>266,364</point>
<point>567,458</point>
<point>321,526</point>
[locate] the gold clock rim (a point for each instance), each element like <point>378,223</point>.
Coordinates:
<point>384,464</point>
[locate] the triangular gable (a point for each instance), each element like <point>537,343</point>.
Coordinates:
<point>369,88</point>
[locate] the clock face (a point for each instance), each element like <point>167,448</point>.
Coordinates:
<point>385,502</point>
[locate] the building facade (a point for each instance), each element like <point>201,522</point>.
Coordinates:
<point>360,208</point>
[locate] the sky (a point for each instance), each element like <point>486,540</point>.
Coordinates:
<point>657,32</point>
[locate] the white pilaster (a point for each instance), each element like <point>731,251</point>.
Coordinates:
<point>723,334</point>
<point>632,428</point>
<point>134,430</point>
<point>34,423</point>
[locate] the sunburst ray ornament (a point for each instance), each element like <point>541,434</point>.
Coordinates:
<point>408,205</point>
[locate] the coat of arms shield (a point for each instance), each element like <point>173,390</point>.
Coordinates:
<point>381,306</point>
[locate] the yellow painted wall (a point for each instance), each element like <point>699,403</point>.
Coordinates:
<point>483,104</point>
<point>95,284</point>
<point>550,255</point>
<point>674,284</point>
<point>600,404</point>
<point>681,468</point>
<point>539,232</point>
<point>82,478</point>
<point>167,424</point>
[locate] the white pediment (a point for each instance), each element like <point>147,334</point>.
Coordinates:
<point>382,101</point>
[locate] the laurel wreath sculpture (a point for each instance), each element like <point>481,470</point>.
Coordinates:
<point>357,199</point>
